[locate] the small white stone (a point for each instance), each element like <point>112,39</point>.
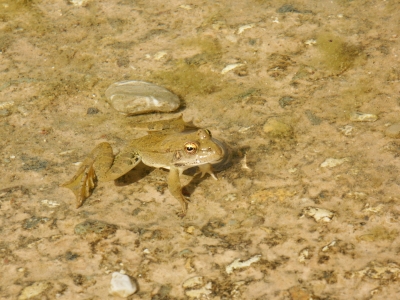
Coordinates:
<point>330,245</point>
<point>230,68</point>
<point>230,197</point>
<point>238,264</point>
<point>304,255</point>
<point>363,117</point>
<point>245,27</point>
<point>197,294</point>
<point>33,290</point>
<point>50,203</point>
<point>186,6</point>
<point>193,282</point>
<point>77,2</point>
<point>310,42</point>
<point>346,130</point>
<point>319,214</point>
<point>6,104</point>
<point>121,285</point>
<point>159,55</point>
<point>373,209</point>
<point>333,162</point>
<point>275,20</point>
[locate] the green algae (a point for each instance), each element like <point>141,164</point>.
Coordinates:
<point>336,54</point>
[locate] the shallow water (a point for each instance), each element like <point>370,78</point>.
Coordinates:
<point>311,190</point>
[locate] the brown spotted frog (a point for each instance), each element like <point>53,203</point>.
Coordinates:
<point>173,145</point>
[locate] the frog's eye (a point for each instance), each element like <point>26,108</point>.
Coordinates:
<point>191,148</point>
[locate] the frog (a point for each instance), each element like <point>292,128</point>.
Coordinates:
<point>170,144</point>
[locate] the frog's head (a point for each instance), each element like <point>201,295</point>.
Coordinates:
<point>199,148</point>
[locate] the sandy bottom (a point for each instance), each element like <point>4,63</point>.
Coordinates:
<point>307,95</point>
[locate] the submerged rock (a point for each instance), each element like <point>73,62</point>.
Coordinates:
<point>121,285</point>
<point>100,228</point>
<point>277,129</point>
<point>34,290</point>
<point>133,97</point>
<point>393,131</point>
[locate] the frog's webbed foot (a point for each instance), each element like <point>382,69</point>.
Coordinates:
<point>82,183</point>
<point>205,169</point>
<point>184,201</point>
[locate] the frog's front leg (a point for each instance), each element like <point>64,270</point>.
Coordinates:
<point>102,165</point>
<point>205,169</point>
<point>175,187</point>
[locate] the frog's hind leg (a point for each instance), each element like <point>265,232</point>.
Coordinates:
<point>175,188</point>
<point>100,164</point>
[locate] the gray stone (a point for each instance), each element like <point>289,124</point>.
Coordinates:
<point>137,97</point>
<point>393,131</point>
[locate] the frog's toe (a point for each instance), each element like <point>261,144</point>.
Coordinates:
<point>205,169</point>
<point>181,214</point>
<point>184,206</point>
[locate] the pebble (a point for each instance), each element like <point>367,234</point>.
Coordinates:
<point>285,101</point>
<point>190,229</point>
<point>23,111</point>
<point>319,214</point>
<point>50,203</point>
<point>245,27</point>
<point>310,42</point>
<point>4,112</point>
<point>133,97</point>
<point>231,67</point>
<point>253,221</point>
<point>377,270</point>
<point>238,264</point>
<point>304,255</point>
<point>333,162</point>
<point>193,282</point>
<point>230,197</point>
<point>373,209</point>
<point>363,117</point>
<point>329,246</point>
<point>393,131</point>
<point>346,130</point>
<point>92,111</point>
<point>277,129</point>
<point>287,8</point>
<point>185,253</point>
<point>34,290</point>
<point>6,104</point>
<point>77,2</point>
<point>121,285</point>
<point>312,117</point>
<point>160,55</point>
<point>100,228</point>
<point>198,293</point>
